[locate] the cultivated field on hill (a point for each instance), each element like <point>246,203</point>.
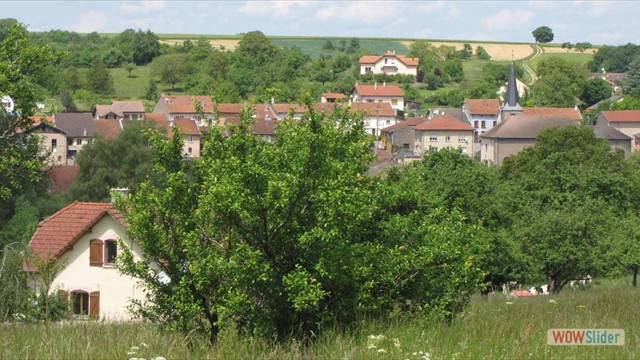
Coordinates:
<point>493,328</point>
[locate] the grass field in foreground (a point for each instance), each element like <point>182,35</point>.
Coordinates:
<point>493,328</point>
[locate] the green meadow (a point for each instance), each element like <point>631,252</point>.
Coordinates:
<point>495,327</point>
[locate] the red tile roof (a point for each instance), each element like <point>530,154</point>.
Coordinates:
<point>444,122</point>
<point>183,104</point>
<point>334,96</point>
<point>379,90</point>
<point>187,126</point>
<point>570,113</point>
<point>373,109</point>
<point>61,230</point>
<point>483,106</point>
<point>372,59</point>
<point>155,117</point>
<point>408,122</point>
<point>119,108</point>
<point>265,127</point>
<point>622,115</point>
<point>61,178</point>
<point>108,128</point>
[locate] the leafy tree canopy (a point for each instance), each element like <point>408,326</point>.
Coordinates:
<point>543,34</point>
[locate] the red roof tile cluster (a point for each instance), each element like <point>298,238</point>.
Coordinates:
<point>444,122</point>
<point>622,115</point>
<point>184,104</point>
<point>108,129</point>
<point>570,113</point>
<point>119,108</point>
<point>186,126</point>
<point>483,106</point>
<point>379,90</point>
<point>61,230</point>
<point>265,127</point>
<point>61,178</point>
<point>334,96</point>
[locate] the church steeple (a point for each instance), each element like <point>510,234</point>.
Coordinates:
<point>511,99</point>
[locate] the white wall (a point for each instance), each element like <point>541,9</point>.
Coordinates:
<point>115,289</point>
<point>392,62</point>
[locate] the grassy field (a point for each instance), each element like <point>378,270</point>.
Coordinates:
<point>493,328</point>
<point>573,57</point>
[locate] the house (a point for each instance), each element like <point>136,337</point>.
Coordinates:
<point>616,138</point>
<point>483,114</point>
<point>514,134</point>
<point>332,97</point>
<point>54,140</point>
<point>377,116</point>
<point>443,131</point>
<point>401,136</point>
<point>389,64</point>
<point>627,121</point>
<point>80,129</point>
<point>455,112</point>
<point>391,94</point>
<point>184,106</point>
<point>83,238</point>
<point>191,136</point>
<point>127,110</point>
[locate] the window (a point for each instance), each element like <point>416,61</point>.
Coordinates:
<point>475,124</point>
<point>373,131</point>
<point>54,145</point>
<point>405,146</point>
<point>102,252</point>
<point>189,137</point>
<point>462,138</point>
<point>370,100</point>
<point>433,138</point>
<point>367,69</point>
<point>80,302</point>
<point>190,151</point>
<point>447,138</point>
<point>78,142</point>
<point>386,61</point>
<point>394,101</point>
<point>484,125</point>
<point>388,121</point>
<point>111,251</point>
<point>433,148</point>
<point>126,117</point>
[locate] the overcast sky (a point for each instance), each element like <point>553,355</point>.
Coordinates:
<point>599,22</point>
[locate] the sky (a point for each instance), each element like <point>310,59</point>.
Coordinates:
<point>598,22</point>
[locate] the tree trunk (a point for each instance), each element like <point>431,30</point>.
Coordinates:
<point>635,276</point>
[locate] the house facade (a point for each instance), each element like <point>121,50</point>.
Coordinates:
<point>443,131</point>
<point>483,114</point>
<point>84,239</point>
<point>389,64</point>
<point>53,141</point>
<point>391,94</point>
<point>626,121</point>
<point>184,107</point>
<point>401,136</point>
<point>333,97</point>
<point>80,129</point>
<point>120,110</point>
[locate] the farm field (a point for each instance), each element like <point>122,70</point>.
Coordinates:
<point>573,57</point>
<point>492,328</point>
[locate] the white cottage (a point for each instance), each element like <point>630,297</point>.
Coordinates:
<point>83,239</point>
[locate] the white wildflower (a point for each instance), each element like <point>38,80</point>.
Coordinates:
<point>426,356</point>
<point>396,343</point>
<point>134,348</point>
<point>131,352</point>
<point>552,301</point>
<point>159,358</point>
<point>382,351</point>
<point>371,347</point>
<point>144,345</point>
<point>509,302</point>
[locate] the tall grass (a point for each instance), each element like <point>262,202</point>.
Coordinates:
<point>490,328</point>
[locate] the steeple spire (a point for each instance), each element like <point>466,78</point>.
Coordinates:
<point>511,99</point>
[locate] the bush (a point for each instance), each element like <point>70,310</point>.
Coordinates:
<point>482,54</point>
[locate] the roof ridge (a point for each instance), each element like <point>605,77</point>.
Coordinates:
<point>57,213</point>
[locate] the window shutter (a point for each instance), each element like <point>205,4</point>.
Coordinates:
<point>63,295</point>
<point>95,252</point>
<point>94,305</point>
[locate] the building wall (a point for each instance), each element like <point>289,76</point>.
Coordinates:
<point>462,140</point>
<point>374,124</point>
<point>191,142</point>
<point>116,290</point>
<point>476,121</point>
<point>133,115</point>
<point>389,67</point>
<point>402,137</point>
<point>623,145</point>
<point>399,101</point>
<point>57,154</point>
<point>502,148</point>
<point>627,128</point>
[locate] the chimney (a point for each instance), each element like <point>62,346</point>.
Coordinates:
<point>167,100</point>
<point>384,83</point>
<point>84,132</point>
<point>118,193</point>
<point>375,86</point>
<point>273,100</point>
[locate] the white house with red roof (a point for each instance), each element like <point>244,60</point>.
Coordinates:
<point>443,131</point>
<point>483,114</point>
<point>84,238</point>
<point>377,93</point>
<point>389,64</point>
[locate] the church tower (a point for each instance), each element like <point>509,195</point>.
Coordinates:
<point>511,100</point>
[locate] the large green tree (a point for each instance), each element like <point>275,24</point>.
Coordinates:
<point>99,79</point>
<point>171,69</point>
<point>124,161</point>
<point>560,83</point>
<point>543,34</point>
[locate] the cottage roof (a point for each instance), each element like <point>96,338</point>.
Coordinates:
<point>444,122</point>
<point>402,124</point>
<point>482,106</point>
<point>622,115</point>
<point>119,108</point>
<point>265,127</point>
<point>609,133</point>
<point>108,129</point>
<point>571,113</point>
<point>379,90</point>
<point>61,230</point>
<point>184,104</point>
<point>76,124</point>
<point>372,59</point>
<point>526,127</point>
<point>334,96</point>
<point>187,126</point>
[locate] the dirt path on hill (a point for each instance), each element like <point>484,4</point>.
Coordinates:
<point>525,64</point>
